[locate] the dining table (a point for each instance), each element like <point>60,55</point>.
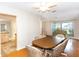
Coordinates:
<point>46,43</point>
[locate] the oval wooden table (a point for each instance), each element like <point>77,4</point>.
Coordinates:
<point>46,43</point>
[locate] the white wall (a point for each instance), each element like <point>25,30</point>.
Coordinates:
<point>76,28</point>
<point>13,28</point>
<point>28,26</point>
<point>47,27</point>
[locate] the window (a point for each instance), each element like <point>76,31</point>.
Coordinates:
<point>67,27</point>
<point>3,27</point>
<point>56,26</point>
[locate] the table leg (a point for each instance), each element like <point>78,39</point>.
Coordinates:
<point>45,53</point>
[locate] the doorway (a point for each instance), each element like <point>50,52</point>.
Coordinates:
<point>7,33</point>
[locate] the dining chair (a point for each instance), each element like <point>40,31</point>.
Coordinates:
<point>58,51</point>
<point>60,36</point>
<point>34,52</point>
<point>40,36</point>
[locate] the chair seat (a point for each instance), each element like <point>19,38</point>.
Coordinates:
<point>58,50</point>
<point>34,52</point>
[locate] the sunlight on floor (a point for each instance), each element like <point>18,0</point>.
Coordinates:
<point>8,47</point>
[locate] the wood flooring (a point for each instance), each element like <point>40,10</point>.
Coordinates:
<point>72,50</point>
<point>21,53</point>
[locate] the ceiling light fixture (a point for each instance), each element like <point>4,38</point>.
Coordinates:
<point>45,6</point>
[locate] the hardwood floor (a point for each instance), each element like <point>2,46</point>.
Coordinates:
<point>72,48</point>
<point>8,47</point>
<point>21,53</point>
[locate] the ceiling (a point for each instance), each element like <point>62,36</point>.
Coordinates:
<point>64,10</point>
